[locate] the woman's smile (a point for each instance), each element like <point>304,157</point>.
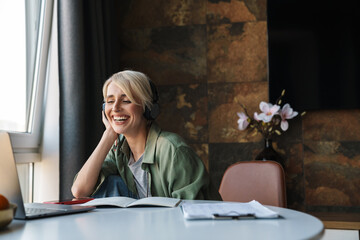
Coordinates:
<point>120,119</point>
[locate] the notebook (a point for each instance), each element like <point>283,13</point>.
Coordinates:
<point>227,210</point>
<point>10,188</point>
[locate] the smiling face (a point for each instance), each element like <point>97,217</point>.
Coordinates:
<point>124,116</point>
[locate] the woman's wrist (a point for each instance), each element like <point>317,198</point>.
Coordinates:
<point>109,133</point>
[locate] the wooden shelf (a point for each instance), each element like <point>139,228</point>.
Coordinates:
<point>338,220</point>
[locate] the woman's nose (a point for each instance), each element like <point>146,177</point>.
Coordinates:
<point>117,106</point>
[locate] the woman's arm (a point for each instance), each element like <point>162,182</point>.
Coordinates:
<point>88,175</point>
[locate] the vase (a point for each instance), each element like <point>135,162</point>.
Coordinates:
<point>268,153</point>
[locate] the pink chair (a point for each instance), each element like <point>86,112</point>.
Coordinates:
<point>263,181</point>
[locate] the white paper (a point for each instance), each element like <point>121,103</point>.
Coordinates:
<point>208,210</point>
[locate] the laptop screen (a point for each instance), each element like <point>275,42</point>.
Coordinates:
<point>10,187</point>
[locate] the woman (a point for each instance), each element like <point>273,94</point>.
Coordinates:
<point>134,157</point>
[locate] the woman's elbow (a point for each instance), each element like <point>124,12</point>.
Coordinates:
<point>77,192</point>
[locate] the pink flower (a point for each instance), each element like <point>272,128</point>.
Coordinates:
<point>268,111</point>
<point>286,113</point>
<point>243,121</point>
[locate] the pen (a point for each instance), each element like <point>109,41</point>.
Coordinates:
<point>236,217</point>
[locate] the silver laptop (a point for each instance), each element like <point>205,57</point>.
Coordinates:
<point>10,188</point>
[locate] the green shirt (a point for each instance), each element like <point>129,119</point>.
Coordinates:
<point>173,168</point>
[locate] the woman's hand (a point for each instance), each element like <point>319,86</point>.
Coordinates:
<point>109,130</point>
<point>105,120</point>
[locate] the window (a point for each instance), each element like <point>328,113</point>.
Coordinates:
<point>17,61</point>
<point>24,46</point>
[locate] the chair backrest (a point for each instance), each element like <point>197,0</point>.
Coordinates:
<point>263,181</point>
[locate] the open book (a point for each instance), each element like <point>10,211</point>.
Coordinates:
<point>125,202</point>
<point>227,210</point>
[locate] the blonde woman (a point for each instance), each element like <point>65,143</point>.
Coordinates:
<point>134,157</point>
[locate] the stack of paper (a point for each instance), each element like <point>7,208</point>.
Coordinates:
<point>227,210</point>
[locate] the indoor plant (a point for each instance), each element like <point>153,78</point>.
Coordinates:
<point>273,119</point>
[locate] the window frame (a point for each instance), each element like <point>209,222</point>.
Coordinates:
<point>26,146</point>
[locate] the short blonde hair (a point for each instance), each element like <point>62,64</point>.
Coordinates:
<point>134,84</point>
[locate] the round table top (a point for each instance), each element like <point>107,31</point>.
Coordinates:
<point>163,223</point>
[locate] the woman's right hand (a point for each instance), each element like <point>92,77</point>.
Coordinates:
<point>109,130</point>
<point>105,120</point>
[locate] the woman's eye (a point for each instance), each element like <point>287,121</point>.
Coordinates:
<point>127,101</point>
<point>110,101</point>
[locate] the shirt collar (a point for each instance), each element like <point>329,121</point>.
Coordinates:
<point>150,145</point>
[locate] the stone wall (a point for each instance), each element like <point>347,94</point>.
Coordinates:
<point>204,54</point>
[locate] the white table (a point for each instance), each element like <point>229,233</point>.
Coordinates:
<point>162,223</point>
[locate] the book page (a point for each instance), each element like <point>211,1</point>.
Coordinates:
<point>230,209</point>
<point>110,201</point>
<point>156,201</point>
<point>130,202</point>
<point>262,211</point>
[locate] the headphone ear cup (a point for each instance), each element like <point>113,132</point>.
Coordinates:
<point>155,109</point>
<point>147,113</point>
<point>153,113</point>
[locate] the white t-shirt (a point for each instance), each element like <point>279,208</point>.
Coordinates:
<point>140,177</point>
